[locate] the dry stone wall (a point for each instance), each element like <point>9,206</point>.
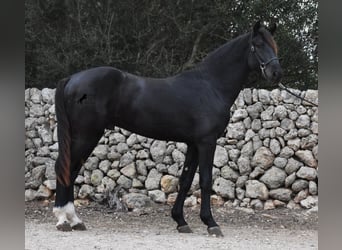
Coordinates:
<point>267,157</point>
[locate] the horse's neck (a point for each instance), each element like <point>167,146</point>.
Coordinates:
<point>228,67</point>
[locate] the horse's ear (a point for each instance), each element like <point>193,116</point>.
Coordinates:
<point>256,27</point>
<point>272,28</point>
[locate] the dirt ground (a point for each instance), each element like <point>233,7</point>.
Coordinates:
<point>153,228</point>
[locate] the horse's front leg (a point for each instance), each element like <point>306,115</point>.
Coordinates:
<point>189,169</point>
<point>206,156</point>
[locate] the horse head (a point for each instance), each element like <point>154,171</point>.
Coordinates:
<point>263,53</point>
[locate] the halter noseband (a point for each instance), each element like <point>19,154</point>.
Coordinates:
<point>261,63</point>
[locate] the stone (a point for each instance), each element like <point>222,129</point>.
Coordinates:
<point>240,193</point>
<point>48,95</point>
<point>131,140</point>
<point>92,163</point>
<point>229,174</point>
<point>264,96</point>
<point>301,196</point>
<point>244,165</point>
<point>256,173</point>
<point>290,179</point>
<point>45,134</point>
<point>236,131</point>
<point>239,115</point>
<point>116,138</point>
<point>136,200</point>
<point>247,95</point>
<point>311,95</point>
<point>269,205</point>
<point>294,144</point>
<point>255,110</point>
<point>267,114</point>
<point>292,205</point>
<point>108,183</point>
<point>256,189</point>
<point>157,150</point>
<point>287,124</point>
<point>157,196</point>
<point>101,151</point>
<point>286,152</point>
<point>126,159</point>
<point>114,174</point>
<point>142,154</point>
<point>263,158</point>
<point>256,125</point>
<point>249,135</point>
<point>195,183</point>
<point>303,121</point>
<point>313,188</point>
<point>137,183</point>
<point>299,185</point>
<point>36,96</point>
<point>153,179</point>
<point>280,162</point>
<point>214,200</point>
<point>307,173</point>
<point>190,201</point>
<point>30,194</point>
<point>178,156</point>
<point>122,148</point>
<point>50,184</point>
<point>50,172</point>
<point>309,142</point>
<point>162,168</point>
<point>85,191</point>
<point>96,177</point>
<point>307,157</point>
<point>105,165</point>
<point>224,188</point>
<point>275,146</point>
<point>234,154</point>
<point>282,194</point>
<point>278,203</point>
<point>181,147</point>
<point>220,157</point>
<point>280,112</point>
<point>169,184</point>
<point>173,169</point>
<point>274,177</point>
<point>129,170</point>
<point>309,202</point>
<point>79,179</point>
<point>292,166</point>
<point>257,204</point>
<point>171,199</point>
<point>124,181</point>
<point>240,182</point>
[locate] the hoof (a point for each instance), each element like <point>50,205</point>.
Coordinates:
<point>215,231</point>
<point>184,229</point>
<point>64,227</point>
<point>79,227</point>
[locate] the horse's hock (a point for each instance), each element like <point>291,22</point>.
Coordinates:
<point>267,157</point>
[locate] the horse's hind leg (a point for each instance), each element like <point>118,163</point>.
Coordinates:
<point>64,209</point>
<point>190,166</point>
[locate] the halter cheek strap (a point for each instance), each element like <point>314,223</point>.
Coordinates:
<point>262,64</point>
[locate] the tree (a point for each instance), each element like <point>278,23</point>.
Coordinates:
<point>160,38</point>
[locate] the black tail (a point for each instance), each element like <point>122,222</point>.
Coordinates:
<point>62,166</point>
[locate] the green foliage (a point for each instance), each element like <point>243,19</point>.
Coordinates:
<point>160,38</point>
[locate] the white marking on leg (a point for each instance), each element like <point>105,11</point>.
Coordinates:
<point>71,214</point>
<point>60,213</point>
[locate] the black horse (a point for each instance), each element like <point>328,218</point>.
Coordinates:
<point>191,107</point>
